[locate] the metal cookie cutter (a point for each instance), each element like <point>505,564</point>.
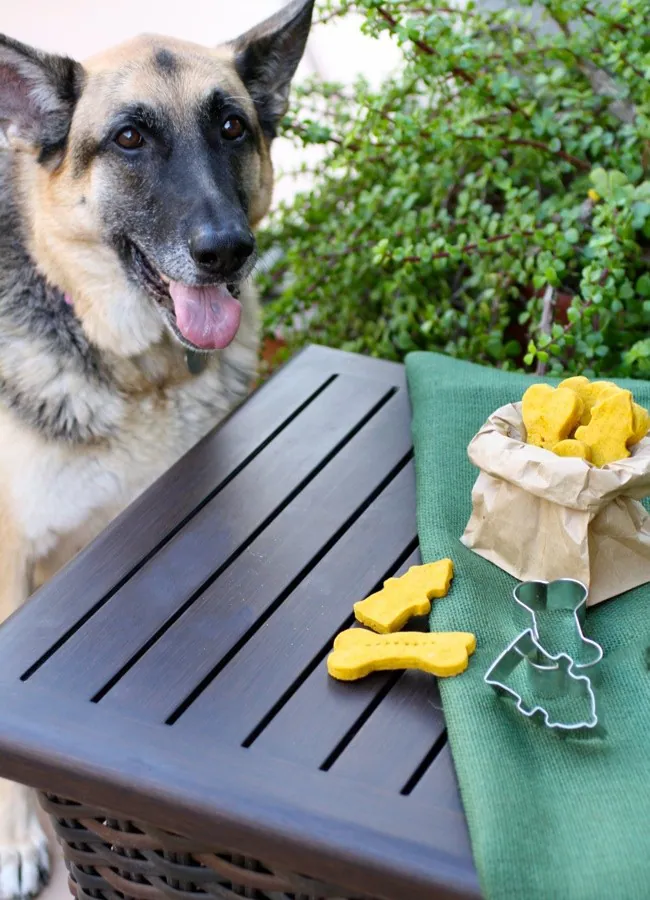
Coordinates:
<point>553,676</point>
<point>563,595</point>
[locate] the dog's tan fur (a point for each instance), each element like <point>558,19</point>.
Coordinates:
<point>55,496</point>
<point>147,365</point>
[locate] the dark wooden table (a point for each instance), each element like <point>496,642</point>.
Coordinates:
<point>174,672</point>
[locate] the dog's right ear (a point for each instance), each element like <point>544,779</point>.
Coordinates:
<point>38,93</point>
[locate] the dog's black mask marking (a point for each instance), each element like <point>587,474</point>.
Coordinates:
<point>184,179</point>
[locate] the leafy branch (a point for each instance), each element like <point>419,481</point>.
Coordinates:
<point>491,200</point>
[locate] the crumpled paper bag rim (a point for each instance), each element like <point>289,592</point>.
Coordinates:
<point>499,449</point>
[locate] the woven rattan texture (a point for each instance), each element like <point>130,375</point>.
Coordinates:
<point>117,859</point>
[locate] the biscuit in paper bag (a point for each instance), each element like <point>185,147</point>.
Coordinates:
<point>541,517</point>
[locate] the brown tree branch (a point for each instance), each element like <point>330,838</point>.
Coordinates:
<point>425,48</point>
<point>527,142</point>
<point>615,25</point>
<point>548,305</point>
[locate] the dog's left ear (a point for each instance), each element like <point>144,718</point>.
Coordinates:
<point>267,56</point>
<point>38,93</point>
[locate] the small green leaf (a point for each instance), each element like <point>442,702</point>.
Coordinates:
<point>643,285</point>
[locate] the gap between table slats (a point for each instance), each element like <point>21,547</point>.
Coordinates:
<point>92,654</point>
<point>200,636</point>
<point>133,538</point>
<point>299,633</point>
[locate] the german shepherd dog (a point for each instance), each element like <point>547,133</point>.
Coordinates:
<point>130,186</point>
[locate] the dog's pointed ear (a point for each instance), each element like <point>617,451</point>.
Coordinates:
<point>38,93</point>
<point>267,56</point>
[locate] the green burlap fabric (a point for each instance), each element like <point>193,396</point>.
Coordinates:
<point>549,818</point>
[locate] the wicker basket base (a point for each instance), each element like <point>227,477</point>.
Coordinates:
<point>114,859</point>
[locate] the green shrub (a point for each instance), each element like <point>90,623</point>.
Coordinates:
<point>491,201</point>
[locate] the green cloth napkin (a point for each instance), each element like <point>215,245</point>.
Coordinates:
<point>549,818</point>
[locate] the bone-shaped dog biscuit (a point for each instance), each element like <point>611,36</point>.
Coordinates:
<point>610,430</point>
<point>358,652</point>
<point>550,414</point>
<point>401,598</point>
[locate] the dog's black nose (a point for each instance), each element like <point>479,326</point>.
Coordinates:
<point>221,251</point>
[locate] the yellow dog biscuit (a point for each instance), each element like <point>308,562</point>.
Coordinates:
<point>573,448</point>
<point>610,430</point>
<point>401,598</point>
<point>640,423</point>
<point>590,392</point>
<point>358,652</point>
<point>550,414</point>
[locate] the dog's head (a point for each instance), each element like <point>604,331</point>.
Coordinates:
<point>144,170</point>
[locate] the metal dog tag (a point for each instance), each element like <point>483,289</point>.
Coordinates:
<point>196,362</point>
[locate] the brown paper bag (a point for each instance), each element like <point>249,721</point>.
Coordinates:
<point>540,517</point>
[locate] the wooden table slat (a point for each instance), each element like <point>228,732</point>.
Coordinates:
<point>326,710</point>
<point>406,725</point>
<point>217,620</point>
<point>439,781</point>
<point>132,614</point>
<point>151,519</point>
<point>274,660</point>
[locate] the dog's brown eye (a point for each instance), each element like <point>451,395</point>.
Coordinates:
<point>232,128</point>
<point>129,139</point>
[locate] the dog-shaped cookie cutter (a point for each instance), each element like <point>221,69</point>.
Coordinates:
<point>550,675</point>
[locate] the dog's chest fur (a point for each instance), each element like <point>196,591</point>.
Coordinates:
<point>82,432</point>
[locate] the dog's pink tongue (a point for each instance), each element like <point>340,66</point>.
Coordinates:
<point>207,316</point>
